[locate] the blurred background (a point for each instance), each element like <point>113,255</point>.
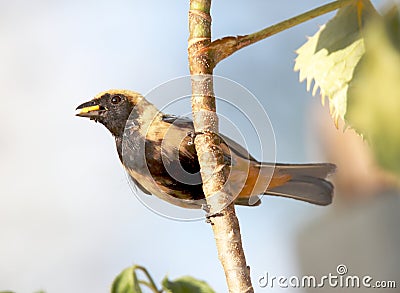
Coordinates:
<point>68,219</point>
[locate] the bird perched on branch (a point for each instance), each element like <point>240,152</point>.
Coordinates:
<point>158,152</point>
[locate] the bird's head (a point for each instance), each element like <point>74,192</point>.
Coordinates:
<point>111,108</point>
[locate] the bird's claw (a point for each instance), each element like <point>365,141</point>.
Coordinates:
<point>206,207</point>
<point>209,215</point>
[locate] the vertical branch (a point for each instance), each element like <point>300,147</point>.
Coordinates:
<point>225,227</point>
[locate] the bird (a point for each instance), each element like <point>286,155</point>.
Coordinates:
<point>157,151</point>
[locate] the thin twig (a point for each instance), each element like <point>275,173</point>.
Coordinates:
<point>151,284</point>
<point>224,47</point>
<point>148,285</point>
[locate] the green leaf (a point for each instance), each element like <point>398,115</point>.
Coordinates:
<point>374,95</point>
<point>126,282</point>
<point>330,56</point>
<point>186,284</point>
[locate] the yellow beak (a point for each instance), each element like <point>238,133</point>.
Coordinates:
<point>89,109</point>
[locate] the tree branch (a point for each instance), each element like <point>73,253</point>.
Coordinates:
<point>224,47</point>
<point>225,227</point>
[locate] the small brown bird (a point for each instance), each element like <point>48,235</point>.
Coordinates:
<point>157,151</point>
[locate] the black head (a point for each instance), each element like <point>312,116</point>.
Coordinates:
<point>111,108</point>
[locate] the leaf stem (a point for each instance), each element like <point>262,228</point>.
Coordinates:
<point>151,284</point>
<point>224,47</point>
<point>148,285</point>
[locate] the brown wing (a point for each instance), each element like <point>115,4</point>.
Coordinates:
<point>187,124</point>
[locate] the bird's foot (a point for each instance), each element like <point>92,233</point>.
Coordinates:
<point>209,215</point>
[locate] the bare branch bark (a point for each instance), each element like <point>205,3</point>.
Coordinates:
<point>224,47</point>
<point>225,227</point>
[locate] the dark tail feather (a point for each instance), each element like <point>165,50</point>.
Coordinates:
<point>319,170</point>
<point>310,189</point>
<point>307,183</point>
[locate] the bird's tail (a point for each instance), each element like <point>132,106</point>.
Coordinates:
<point>307,183</point>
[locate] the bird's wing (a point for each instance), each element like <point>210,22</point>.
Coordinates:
<point>179,121</point>
<point>187,123</point>
<point>237,148</point>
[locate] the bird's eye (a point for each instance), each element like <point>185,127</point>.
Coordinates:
<point>116,99</point>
